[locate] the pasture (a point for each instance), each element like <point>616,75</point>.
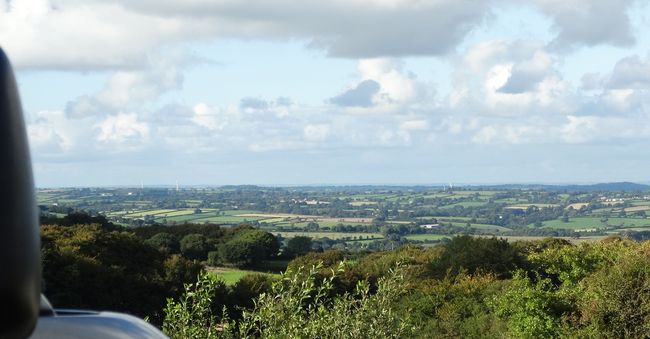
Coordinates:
<point>231,276</point>
<point>525,206</point>
<point>331,235</point>
<point>426,237</point>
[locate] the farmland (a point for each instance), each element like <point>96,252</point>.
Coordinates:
<point>232,275</point>
<point>366,216</point>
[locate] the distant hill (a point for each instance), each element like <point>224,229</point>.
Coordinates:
<point>601,187</point>
<point>613,186</point>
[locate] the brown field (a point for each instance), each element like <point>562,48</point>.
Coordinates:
<point>525,206</point>
<point>302,217</point>
<point>578,205</point>
<point>530,238</point>
<point>637,208</point>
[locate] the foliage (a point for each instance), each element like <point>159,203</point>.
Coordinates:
<point>214,258</point>
<point>86,266</point>
<point>164,242</point>
<point>193,315</point>
<point>531,308</point>
<point>249,248</point>
<point>327,259</point>
<point>616,302</point>
<point>298,306</point>
<point>457,307</point>
<point>476,254</point>
<point>299,245</point>
<point>194,246</point>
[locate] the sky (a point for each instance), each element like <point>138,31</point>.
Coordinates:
<point>280,92</point>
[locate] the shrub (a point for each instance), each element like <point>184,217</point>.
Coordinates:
<point>298,306</point>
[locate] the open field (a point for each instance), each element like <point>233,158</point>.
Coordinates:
<point>232,275</point>
<point>628,222</point>
<point>582,223</point>
<point>532,238</point>
<point>525,206</point>
<point>589,223</point>
<point>331,235</point>
<point>637,208</point>
<point>577,205</point>
<point>363,203</point>
<point>484,227</point>
<point>466,204</point>
<point>426,237</point>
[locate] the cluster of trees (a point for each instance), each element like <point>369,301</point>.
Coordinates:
<point>469,287</point>
<point>88,266</point>
<point>89,263</point>
<point>241,246</point>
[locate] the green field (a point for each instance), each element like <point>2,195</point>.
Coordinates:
<point>485,227</point>
<point>426,237</point>
<point>596,223</point>
<point>525,206</point>
<point>575,224</point>
<point>331,235</point>
<point>628,222</point>
<point>232,275</point>
<point>534,238</point>
<point>466,204</point>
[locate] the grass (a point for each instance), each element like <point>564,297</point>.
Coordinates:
<point>466,204</point>
<point>628,222</point>
<point>232,275</point>
<point>637,208</point>
<point>331,235</point>
<point>224,219</point>
<point>585,223</point>
<point>640,203</point>
<point>525,206</point>
<point>485,227</point>
<point>426,237</point>
<point>363,203</point>
<point>575,224</point>
<point>533,238</point>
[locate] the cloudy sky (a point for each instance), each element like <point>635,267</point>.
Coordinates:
<point>332,92</point>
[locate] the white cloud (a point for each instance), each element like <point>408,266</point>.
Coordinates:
<point>384,87</point>
<point>316,133</point>
<point>50,133</point>
<point>508,78</point>
<point>208,117</point>
<point>131,89</point>
<point>414,125</point>
<point>71,34</point>
<point>630,73</point>
<point>589,22</point>
<point>124,128</point>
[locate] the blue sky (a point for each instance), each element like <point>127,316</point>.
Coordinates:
<point>340,92</point>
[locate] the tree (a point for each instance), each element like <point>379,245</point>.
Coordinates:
<point>249,247</point>
<point>194,246</point>
<point>299,245</point>
<point>474,254</point>
<point>87,266</point>
<point>164,242</point>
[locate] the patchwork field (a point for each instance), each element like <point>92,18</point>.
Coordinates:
<point>588,223</point>
<point>332,235</point>
<point>525,206</point>
<point>426,237</point>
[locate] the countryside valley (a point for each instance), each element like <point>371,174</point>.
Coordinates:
<point>395,261</point>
